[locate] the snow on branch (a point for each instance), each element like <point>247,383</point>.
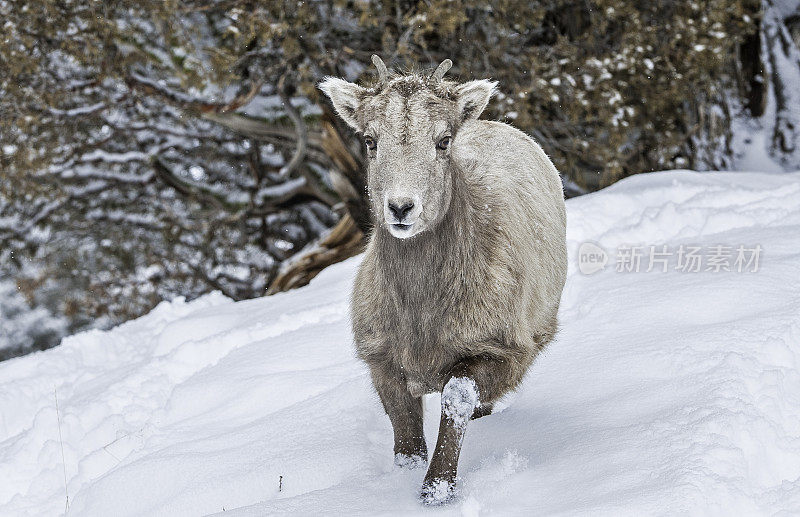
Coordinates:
<point>137,81</point>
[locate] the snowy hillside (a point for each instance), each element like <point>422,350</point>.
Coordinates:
<point>672,392</point>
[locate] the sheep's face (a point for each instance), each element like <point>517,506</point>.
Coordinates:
<point>408,125</point>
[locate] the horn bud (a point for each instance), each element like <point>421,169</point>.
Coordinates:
<point>442,69</point>
<point>383,73</point>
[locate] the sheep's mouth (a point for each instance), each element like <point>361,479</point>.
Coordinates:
<point>402,230</point>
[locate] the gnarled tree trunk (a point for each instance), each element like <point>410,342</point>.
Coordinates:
<point>348,237</point>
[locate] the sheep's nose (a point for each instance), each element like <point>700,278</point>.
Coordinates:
<point>400,208</point>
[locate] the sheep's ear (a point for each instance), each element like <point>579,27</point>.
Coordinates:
<point>346,98</point>
<point>473,96</point>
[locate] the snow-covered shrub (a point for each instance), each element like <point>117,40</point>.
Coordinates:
<point>24,329</point>
<point>159,149</point>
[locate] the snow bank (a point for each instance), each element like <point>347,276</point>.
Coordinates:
<point>665,393</point>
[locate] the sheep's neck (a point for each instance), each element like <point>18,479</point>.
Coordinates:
<point>442,258</point>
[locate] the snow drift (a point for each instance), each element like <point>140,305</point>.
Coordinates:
<point>665,392</point>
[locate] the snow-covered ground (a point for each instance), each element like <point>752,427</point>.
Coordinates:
<point>666,393</point>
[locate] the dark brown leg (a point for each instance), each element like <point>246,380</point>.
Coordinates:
<point>469,392</point>
<point>482,410</point>
<point>405,413</point>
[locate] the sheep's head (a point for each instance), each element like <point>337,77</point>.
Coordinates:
<point>409,124</point>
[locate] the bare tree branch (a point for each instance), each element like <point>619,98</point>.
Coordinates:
<point>300,131</point>
<point>182,100</point>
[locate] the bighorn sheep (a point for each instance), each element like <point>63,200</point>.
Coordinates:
<point>460,284</point>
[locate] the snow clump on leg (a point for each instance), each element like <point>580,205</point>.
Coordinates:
<point>437,492</point>
<point>459,400</point>
<point>410,461</point>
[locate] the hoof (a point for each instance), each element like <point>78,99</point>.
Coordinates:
<point>437,492</point>
<point>410,461</point>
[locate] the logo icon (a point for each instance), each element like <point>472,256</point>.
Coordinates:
<point>591,258</point>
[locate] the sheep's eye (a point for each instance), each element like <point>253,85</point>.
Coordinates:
<point>370,143</point>
<point>444,143</point>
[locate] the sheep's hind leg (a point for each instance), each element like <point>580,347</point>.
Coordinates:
<point>469,393</point>
<point>482,411</point>
<point>405,413</point>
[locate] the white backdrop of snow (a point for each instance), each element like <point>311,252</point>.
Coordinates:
<point>664,393</point>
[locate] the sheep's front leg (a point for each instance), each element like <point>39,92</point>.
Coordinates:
<point>471,389</point>
<point>405,413</point>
